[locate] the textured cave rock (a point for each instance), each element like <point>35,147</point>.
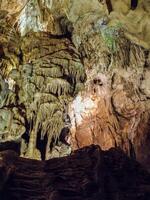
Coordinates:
<point>48,76</point>
<point>89,173</point>
<point>48,48</point>
<point>36,86</point>
<point>46,14</point>
<point>113,110</point>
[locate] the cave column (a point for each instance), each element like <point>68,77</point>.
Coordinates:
<point>32,151</point>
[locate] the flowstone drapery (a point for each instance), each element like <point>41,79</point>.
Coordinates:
<point>36,92</point>
<point>45,46</point>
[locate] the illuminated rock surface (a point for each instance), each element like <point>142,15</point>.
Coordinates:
<point>82,66</point>
<point>72,74</point>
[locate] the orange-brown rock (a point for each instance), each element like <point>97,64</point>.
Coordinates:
<point>93,118</point>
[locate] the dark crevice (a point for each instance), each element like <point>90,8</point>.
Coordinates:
<point>109,6</point>
<point>41,144</point>
<point>2,55</point>
<point>62,36</point>
<point>146,54</point>
<point>21,56</point>
<point>134,4</point>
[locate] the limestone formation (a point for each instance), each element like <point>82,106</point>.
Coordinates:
<point>47,77</point>
<point>80,64</point>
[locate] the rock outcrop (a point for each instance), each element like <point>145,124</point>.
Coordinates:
<point>48,76</point>
<point>83,65</point>
<point>113,110</point>
<point>89,173</point>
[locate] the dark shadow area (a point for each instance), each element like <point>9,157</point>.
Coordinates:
<point>41,144</point>
<point>109,6</point>
<point>10,145</point>
<point>88,174</point>
<point>134,4</point>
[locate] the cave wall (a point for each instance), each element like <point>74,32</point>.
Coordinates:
<point>79,64</point>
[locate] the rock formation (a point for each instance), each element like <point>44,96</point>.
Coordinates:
<point>80,65</point>
<point>89,173</point>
